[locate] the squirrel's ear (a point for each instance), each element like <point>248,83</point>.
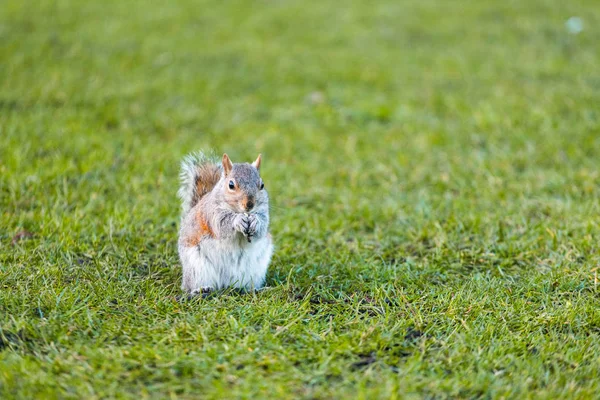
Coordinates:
<point>227,165</point>
<point>256,163</point>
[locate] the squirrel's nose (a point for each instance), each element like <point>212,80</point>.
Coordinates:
<point>249,205</point>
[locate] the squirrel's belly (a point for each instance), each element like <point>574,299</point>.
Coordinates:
<point>226,263</point>
<point>242,267</point>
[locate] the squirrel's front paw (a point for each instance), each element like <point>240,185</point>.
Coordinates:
<point>240,223</point>
<point>252,225</point>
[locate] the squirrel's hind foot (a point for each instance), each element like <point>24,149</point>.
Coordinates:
<point>204,291</point>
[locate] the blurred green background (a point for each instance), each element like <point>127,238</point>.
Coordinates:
<point>433,170</point>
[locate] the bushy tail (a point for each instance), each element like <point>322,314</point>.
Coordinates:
<point>199,175</point>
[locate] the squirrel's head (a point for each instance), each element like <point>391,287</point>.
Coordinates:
<point>243,189</point>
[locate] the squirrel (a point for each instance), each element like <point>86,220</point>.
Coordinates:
<point>224,238</point>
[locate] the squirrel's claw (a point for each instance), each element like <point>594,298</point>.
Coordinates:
<point>240,224</point>
<point>246,225</point>
<point>247,228</point>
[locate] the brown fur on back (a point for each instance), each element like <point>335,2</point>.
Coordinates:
<point>207,176</point>
<point>199,174</point>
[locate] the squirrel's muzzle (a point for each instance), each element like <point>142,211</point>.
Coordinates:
<point>248,203</point>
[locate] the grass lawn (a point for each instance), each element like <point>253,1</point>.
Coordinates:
<point>434,174</point>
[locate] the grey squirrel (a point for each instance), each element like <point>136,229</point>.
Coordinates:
<point>224,238</point>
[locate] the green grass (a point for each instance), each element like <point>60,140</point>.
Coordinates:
<point>433,169</point>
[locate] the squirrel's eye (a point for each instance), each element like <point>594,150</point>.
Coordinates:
<point>262,185</point>
<point>231,185</point>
